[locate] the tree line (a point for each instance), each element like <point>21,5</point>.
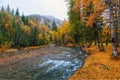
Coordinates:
<point>20,31</point>
<point>90,25</point>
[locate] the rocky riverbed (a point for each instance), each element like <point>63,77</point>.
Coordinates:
<point>47,63</point>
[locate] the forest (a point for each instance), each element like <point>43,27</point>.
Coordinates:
<point>92,25</point>
<point>88,24</point>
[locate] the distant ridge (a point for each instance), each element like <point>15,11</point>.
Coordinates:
<point>46,19</point>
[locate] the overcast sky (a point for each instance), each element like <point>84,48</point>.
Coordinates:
<point>56,8</point>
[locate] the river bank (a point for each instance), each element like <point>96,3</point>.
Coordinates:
<point>45,63</point>
<point>99,66</point>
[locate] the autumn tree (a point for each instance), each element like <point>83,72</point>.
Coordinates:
<point>65,33</point>
<point>106,34</point>
<point>75,22</point>
<point>89,11</point>
<point>6,29</point>
<point>111,6</point>
<point>20,31</point>
<point>54,32</point>
<point>117,21</point>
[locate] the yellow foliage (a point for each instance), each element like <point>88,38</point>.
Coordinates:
<point>65,28</point>
<point>40,36</point>
<point>106,33</point>
<point>106,30</point>
<point>42,28</point>
<point>43,32</point>
<point>26,29</point>
<point>53,35</point>
<point>8,25</point>
<point>62,31</point>
<point>31,23</point>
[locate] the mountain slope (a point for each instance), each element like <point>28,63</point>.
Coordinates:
<point>46,20</point>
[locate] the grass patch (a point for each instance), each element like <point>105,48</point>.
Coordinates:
<point>99,66</point>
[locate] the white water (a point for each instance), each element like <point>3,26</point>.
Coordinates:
<point>60,66</point>
<point>56,64</point>
<point>49,67</point>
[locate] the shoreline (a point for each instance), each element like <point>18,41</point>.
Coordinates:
<point>98,65</point>
<point>9,57</point>
<point>23,64</point>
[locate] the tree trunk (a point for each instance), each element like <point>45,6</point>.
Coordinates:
<point>116,21</point>
<point>98,37</point>
<point>106,41</point>
<point>95,42</point>
<point>113,33</point>
<point>118,31</point>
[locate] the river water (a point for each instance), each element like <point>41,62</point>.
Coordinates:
<point>51,67</point>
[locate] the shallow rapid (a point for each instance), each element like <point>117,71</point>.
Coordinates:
<point>57,66</point>
<point>60,66</point>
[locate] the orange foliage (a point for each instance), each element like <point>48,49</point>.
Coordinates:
<point>86,2</point>
<point>91,19</point>
<point>31,23</point>
<point>98,8</point>
<point>77,6</point>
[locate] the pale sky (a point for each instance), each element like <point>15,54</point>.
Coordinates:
<point>55,8</point>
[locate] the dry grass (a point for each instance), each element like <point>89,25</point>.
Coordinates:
<point>99,66</point>
<point>12,57</point>
<point>21,48</point>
